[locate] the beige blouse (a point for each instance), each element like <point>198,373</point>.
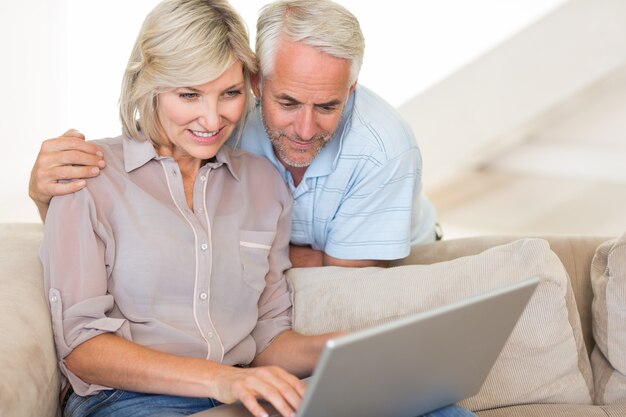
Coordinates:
<point>127,255</point>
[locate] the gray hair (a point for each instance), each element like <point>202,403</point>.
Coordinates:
<point>319,23</point>
<point>181,43</point>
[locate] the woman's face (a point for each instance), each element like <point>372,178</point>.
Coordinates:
<point>197,120</point>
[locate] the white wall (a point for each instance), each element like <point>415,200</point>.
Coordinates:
<point>63,61</point>
<point>501,98</point>
<point>33,100</point>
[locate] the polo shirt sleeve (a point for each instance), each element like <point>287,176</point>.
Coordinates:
<point>75,252</point>
<point>374,218</point>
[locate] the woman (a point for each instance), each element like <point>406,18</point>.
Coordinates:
<point>165,275</point>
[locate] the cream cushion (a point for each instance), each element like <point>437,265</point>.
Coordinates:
<point>27,358</point>
<point>608,280</point>
<point>545,359</point>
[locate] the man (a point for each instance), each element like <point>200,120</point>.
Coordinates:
<point>350,161</point>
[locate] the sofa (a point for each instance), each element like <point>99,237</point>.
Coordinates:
<point>30,380</point>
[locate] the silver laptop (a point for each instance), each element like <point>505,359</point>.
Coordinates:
<point>412,365</point>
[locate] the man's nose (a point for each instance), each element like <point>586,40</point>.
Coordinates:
<point>305,125</point>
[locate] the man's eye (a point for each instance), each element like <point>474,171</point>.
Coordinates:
<point>288,105</point>
<point>328,109</point>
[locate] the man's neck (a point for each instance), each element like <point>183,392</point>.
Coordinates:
<point>297,173</point>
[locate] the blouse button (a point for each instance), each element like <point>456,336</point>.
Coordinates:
<point>204,246</point>
<point>54,299</point>
<point>203,178</point>
<point>203,296</point>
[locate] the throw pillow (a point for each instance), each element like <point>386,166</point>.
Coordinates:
<point>544,360</point>
<point>608,360</point>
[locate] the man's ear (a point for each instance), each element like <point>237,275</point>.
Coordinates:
<point>352,87</point>
<point>255,82</point>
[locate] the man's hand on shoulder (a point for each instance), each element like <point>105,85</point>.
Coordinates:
<point>61,167</point>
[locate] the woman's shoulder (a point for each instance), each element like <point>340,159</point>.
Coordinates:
<point>110,145</point>
<point>113,153</point>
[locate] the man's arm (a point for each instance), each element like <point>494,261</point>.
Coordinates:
<point>306,257</point>
<point>68,157</point>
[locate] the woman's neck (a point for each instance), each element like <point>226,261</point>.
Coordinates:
<point>189,167</point>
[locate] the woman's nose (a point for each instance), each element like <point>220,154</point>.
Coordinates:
<point>210,116</point>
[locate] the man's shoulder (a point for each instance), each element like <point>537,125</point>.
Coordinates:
<point>377,124</point>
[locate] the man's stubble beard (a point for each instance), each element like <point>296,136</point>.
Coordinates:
<point>320,140</point>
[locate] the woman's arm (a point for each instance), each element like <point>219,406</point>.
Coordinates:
<point>294,352</point>
<point>115,362</point>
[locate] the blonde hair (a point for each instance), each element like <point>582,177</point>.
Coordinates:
<point>181,43</point>
<point>319,23</point>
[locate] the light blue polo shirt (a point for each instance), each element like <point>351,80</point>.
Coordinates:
<point>361,197</point>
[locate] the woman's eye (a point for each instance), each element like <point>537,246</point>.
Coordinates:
<point>188,96</point>
<point>232,93</point>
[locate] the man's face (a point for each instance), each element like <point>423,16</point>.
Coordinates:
<point>302,101</point>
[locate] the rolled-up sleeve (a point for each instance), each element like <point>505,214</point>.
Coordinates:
<point>76,253</point>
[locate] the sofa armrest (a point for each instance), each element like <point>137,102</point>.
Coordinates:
<point>30,380</point>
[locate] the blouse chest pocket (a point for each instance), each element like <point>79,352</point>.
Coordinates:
<point>254,249</point>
